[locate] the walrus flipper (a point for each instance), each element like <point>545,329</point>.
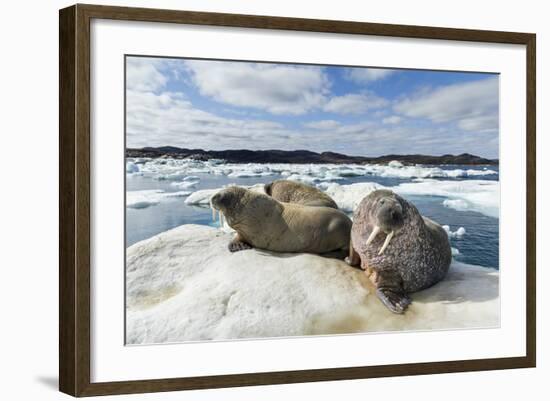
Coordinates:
<point>397,302</point>
<point>353,259</point>
<point>390,291</point>
<point>237,244</point>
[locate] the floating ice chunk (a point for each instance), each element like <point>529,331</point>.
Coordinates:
<point>476,195</point>
<point>457,204</point>
<point>131,167</point>
<point>187,183</point>
<point>150,197</point>
<point>142,199</point>
<point>201,197</point>
<point>460,232</point>
<point>347,197</point>
<point>454,234</point>
<point>303,178</point>
<point>184,285</point>
<point>455,252</point>
<point>248,174</point>
<point>395,163</point>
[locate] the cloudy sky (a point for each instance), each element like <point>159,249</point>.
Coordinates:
<point>217,105</point>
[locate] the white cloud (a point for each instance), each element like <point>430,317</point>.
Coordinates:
<point>322,124</point>
<point>366,75</point>
<point>168,119</point>
<point>143,74</point>
<point>156,116</point>
<point>355,103</point>
<point>392,120</point>
<point>472,105</point>
<point>276,88</point>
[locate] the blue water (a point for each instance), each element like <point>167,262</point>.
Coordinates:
<point>479,246</point>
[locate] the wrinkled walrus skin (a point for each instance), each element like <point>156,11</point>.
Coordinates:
<point>407,253</point>
<point>263,222</point>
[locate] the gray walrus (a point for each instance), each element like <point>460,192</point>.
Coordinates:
<point>295,192</point>
<point>401,251</point>
<point>263,222</point>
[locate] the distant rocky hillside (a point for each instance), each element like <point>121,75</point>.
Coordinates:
<point>300,156</point>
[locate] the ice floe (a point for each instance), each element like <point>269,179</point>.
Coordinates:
<point>476,195</point>
<point>176,293</point>
<point>131,167</point>
<point>347,197</point>
<point>149,197</point>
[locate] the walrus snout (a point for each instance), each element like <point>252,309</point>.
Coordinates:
<point>217,200</point>
<point>390,217</point>
<point>222,200</point>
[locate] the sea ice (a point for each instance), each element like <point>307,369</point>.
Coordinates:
<point>131,167</point>
<point>149,197</point>
<point>476,195</point>
<point>177,169</point>
<point>454,234</point>
<point>201,197</point>
<point>184,285</point>
<point>347,197</point>
<point>395,163</point>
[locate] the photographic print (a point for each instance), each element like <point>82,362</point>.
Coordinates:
<point>268,199</point>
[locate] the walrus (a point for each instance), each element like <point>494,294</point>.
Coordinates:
<point>295,192</point>
<point>263,222</point>
<point>401,251</point>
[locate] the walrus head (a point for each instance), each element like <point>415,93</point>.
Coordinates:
<point>267,188</point>
<point>241,206</point>
<point>387,216</point>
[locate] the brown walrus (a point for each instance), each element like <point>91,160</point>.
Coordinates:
<point>295,192</point>
<point>401,251</point>
<point>263,222</point>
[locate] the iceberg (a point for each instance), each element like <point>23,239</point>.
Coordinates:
<point>184,285</point>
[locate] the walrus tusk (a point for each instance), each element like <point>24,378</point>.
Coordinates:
<point>222,218</point>
<point>373,235</point>
<point>213,210</point>
<point>386,243</point>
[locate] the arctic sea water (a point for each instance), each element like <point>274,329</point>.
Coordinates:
<point>162,186</point>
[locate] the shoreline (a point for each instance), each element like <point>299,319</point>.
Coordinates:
<point>304,157</point>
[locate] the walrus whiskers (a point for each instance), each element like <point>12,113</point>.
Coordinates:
<point>386,243</point>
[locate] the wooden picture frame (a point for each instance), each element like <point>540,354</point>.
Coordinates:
<point>74,199</point>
